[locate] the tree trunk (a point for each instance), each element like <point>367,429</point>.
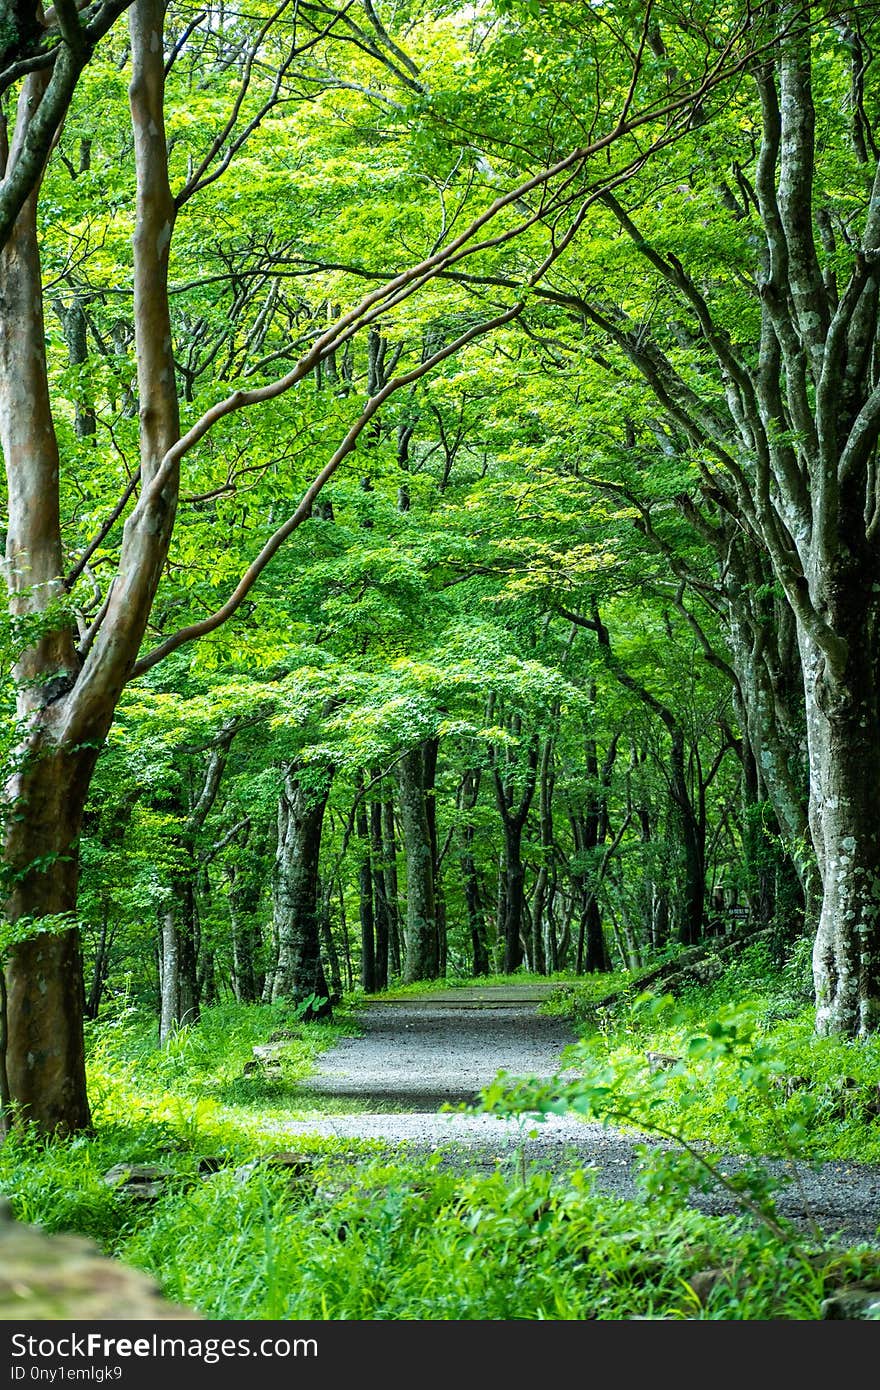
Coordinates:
<point>422,960</point>
<point>329,945</point>
<point>500,912</point>
<point>296,911</point>
<point>514,797</point>
<point>381,912</point>
<point>179,960</point>
<point>589,828</point>
<point>44,798</point>
<point>514,897</point>
<point>470,789</point>
<point>208,978</point>
<point>431,748</point>
<point>5,1094</point>
<point>688,840</point>
<point>169,975</point>
<point>389,869</point>
<point>73,324</point>
<point>843,720</point>
<point>365,893</point>
<point>101,969</point>
<point>180,919</point>
<point>542,881</point>
<point>66,702</point>
<point>243,900</point>
<point>596,958</point>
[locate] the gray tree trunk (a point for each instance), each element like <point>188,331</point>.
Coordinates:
<point>365,892</point>
<point>392,896</point>
<point>299,973</point>
<point>422,956</point>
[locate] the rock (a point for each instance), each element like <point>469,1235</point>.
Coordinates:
<point>269,1052</point>
<point>262,1066</point>
<point>790,1084</point>
<point>266,1060</point>
<point>66,1277</point>
<point>298,1165</point>
<point>661,1061</point>
<point>705,1281</point>
<point>853,1301</point>
<point>142,1181</point>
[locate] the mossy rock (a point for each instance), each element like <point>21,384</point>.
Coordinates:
<point>48,1277</point>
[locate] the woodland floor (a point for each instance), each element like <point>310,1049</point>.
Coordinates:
<point>417,1054</point>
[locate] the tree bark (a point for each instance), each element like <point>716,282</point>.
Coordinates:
<point>789,439</point>
<point>43,799</point>
<point>540,892</point>
<point>422,958</point>
<point>589,828</point>
<point>514,797</point>
<point>181,1002</point>
<point>430,751</point>
<point>470,790</point>
<point>365,893</point>
<point>843,721</point>
<point>329,945</point>
<point>299,973</point>
<point>101,968</point>
<point>243,900</point>
<point>381,913</point>
<point>392,898</point>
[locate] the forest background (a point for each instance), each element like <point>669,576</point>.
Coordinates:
<point>441,513</point>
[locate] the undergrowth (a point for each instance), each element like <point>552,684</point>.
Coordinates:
<point>780,1092</point>
<point>354,1236</point>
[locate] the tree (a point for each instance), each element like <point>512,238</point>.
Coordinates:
<point>786,444</point>
<point>299,974</point>
<point>69,683</point>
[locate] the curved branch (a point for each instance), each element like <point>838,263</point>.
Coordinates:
<point>304,510</point>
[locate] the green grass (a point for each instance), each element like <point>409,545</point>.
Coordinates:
<point>412,1242</point>
<point>358,1237</point>
<point>780,1091</point>
<point>429,987</point>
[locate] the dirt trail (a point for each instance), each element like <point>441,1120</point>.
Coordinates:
<point>417,1054</point>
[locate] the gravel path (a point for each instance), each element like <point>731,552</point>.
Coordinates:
<point>418,1054</point>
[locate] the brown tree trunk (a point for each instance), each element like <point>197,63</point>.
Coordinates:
<point>44,1063</point>
<point>43,799</point>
